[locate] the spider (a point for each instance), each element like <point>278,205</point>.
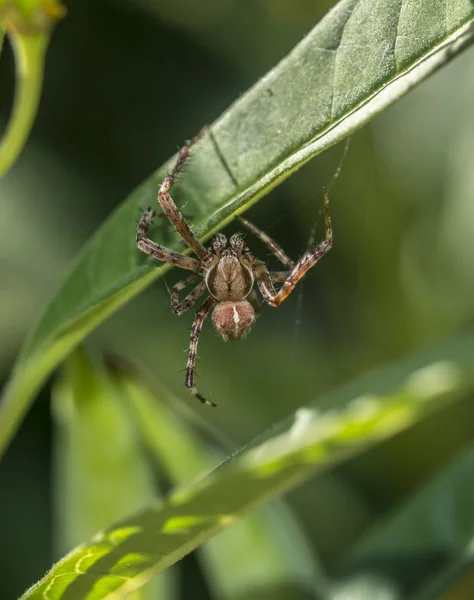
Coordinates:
<point>227,274</point>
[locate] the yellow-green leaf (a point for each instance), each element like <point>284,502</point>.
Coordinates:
<point>265,554</point>
<point>101,473</point>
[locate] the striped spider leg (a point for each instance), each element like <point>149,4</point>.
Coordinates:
<point>160,252</point>
<point>290,278</point>
<point>270,243</point>
<point>198,265</point>
<point>226,273</point>
<point>171,210</point>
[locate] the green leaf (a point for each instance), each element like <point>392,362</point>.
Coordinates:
<point>265,555</point>
<point>119,560</point>
<point>424,547</point>
<point>101,474</point>
<point>351,66</point>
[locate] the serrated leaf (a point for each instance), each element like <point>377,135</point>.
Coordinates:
<point>119,560</point>
<point>357,61</point>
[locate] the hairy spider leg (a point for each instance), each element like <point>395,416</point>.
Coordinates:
<point>305,263</point>
<point>199,318</point>
<point>278,276</point>
<point>275,248</point>
<point>181,307</point>
<point>160,252</point>
<point>169,207</point>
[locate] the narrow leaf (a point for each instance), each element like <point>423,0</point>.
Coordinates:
<point>119,560</point>
<point>101,474</point>
<point>263,555</point>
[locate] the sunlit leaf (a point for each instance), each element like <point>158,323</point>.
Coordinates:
<point>119,560</point>
<point>357,61</point>
<point>265,555</point>
<point>101,473</point>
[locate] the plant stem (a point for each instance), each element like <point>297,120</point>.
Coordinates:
<point>29,53</point>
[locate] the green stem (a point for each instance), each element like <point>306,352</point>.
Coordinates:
<point>29,53</point>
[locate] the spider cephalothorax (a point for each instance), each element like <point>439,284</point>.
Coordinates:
<point>228,273</point>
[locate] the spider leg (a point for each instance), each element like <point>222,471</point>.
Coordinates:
<point>163,216</point>
<point>160,252</point>
<point>305,263</point>
<point>278,276</point>
<point>171,210</point>
<point>181,307</point>
<point>199,318</point>
<point>270,243</point>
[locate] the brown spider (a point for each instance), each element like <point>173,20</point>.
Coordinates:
<point>228,274</point>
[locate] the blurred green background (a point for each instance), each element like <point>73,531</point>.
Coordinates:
<point>126,83</point>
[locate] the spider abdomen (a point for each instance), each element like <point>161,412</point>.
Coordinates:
<point>233,320</point>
